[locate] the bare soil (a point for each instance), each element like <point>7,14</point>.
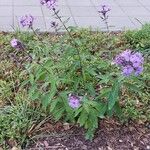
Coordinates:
<point>110,136</point>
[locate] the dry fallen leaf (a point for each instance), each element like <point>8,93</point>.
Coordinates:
<point>109,148</point>
<point>66,126</point>
<point>120,141</point>
<point>12,143</point>
<point>15,148</point>
<point>46,144</point>
<point>136,148</point>
<point>148,147</point>
<point>58,126</point>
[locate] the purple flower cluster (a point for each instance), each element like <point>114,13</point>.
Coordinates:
<point>27,21</point>
<point>16,44</point>
<point>51,4</point>
<point>104,10</point>
<point>74,101</point>
<point>130,62</point>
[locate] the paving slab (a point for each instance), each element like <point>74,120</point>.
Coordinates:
<point>124,14</point>
<point>128,3</point>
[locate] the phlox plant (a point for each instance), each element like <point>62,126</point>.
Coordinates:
<point>104,9</point>
<point>73,84</point>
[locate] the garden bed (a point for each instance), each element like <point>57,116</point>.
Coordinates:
<point>24,119</point>
<point>111,135</point>
<point>80,90</point>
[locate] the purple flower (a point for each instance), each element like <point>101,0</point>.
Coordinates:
<point>126,54</point>
<point>130,62</point>
<point>43,2</point>
<point>16,43</point>
<point>127,70</point>
<point>27,21</point>
<point>104,10</point>
<point>103,14</point>
<point>74,101</point>
<point>119,60</point>
<point>51,4</point>
<point>137,59</point>
<point>138,70</point>
<point>123,58</point>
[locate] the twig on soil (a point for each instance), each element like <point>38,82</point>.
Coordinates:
<point>39,125</point>
<point>54,135</point>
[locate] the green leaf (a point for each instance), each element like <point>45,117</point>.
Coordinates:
<point>46,99</point>
<point>132,87</point>
<point>102,110</point>
<point>105,78</point>
<point>90,88</point>
<point>59,114</point>
<point>86,107</point>
<point>113,96</point>
<point>89,134</point>
<point>83,118</point>
<point>91,71</point>
<point>40,75</point>
<point>53,104</point>
<point>48,64</point>
<point>24,83</point>
<point>103,64</point>
<point>118,110</point>
<point>110,112</point>
<point>35,95</point>
<point>53,89</point>
<point>32,90</point>
<point>105,92</point>
<point>93,118</point>
<point>31,78</point>
<point>92,103</point>
<point>78,111</point>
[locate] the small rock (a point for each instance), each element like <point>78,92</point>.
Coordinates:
<point>109,148</point>
<point>132,144</point>
<point>46,144</point>
<point>120,141</point>
<point>66,126</point>
<point>96,140</point>
<point>15,148</point>
<point>148,126</point>
<point>148,147</point>
<point>84,147</point>
<point>135,148</point>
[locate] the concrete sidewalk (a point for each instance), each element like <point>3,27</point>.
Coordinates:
<point>82,13</point>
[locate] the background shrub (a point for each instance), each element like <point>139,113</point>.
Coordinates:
<point>139,39</point>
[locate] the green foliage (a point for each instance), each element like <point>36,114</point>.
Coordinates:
<point>16,120</point>
<point>139,39</point>
<point>137,95</point>
<point>62,65</point>
<point>75,68</point>
<point>5,90</point>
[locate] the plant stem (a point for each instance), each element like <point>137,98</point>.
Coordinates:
<point>107,27</point>
<point>73,42</point>
<point>35,33</point>
<point>24,50</point>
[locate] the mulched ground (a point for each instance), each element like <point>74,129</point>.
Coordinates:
<point>110,136</point>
